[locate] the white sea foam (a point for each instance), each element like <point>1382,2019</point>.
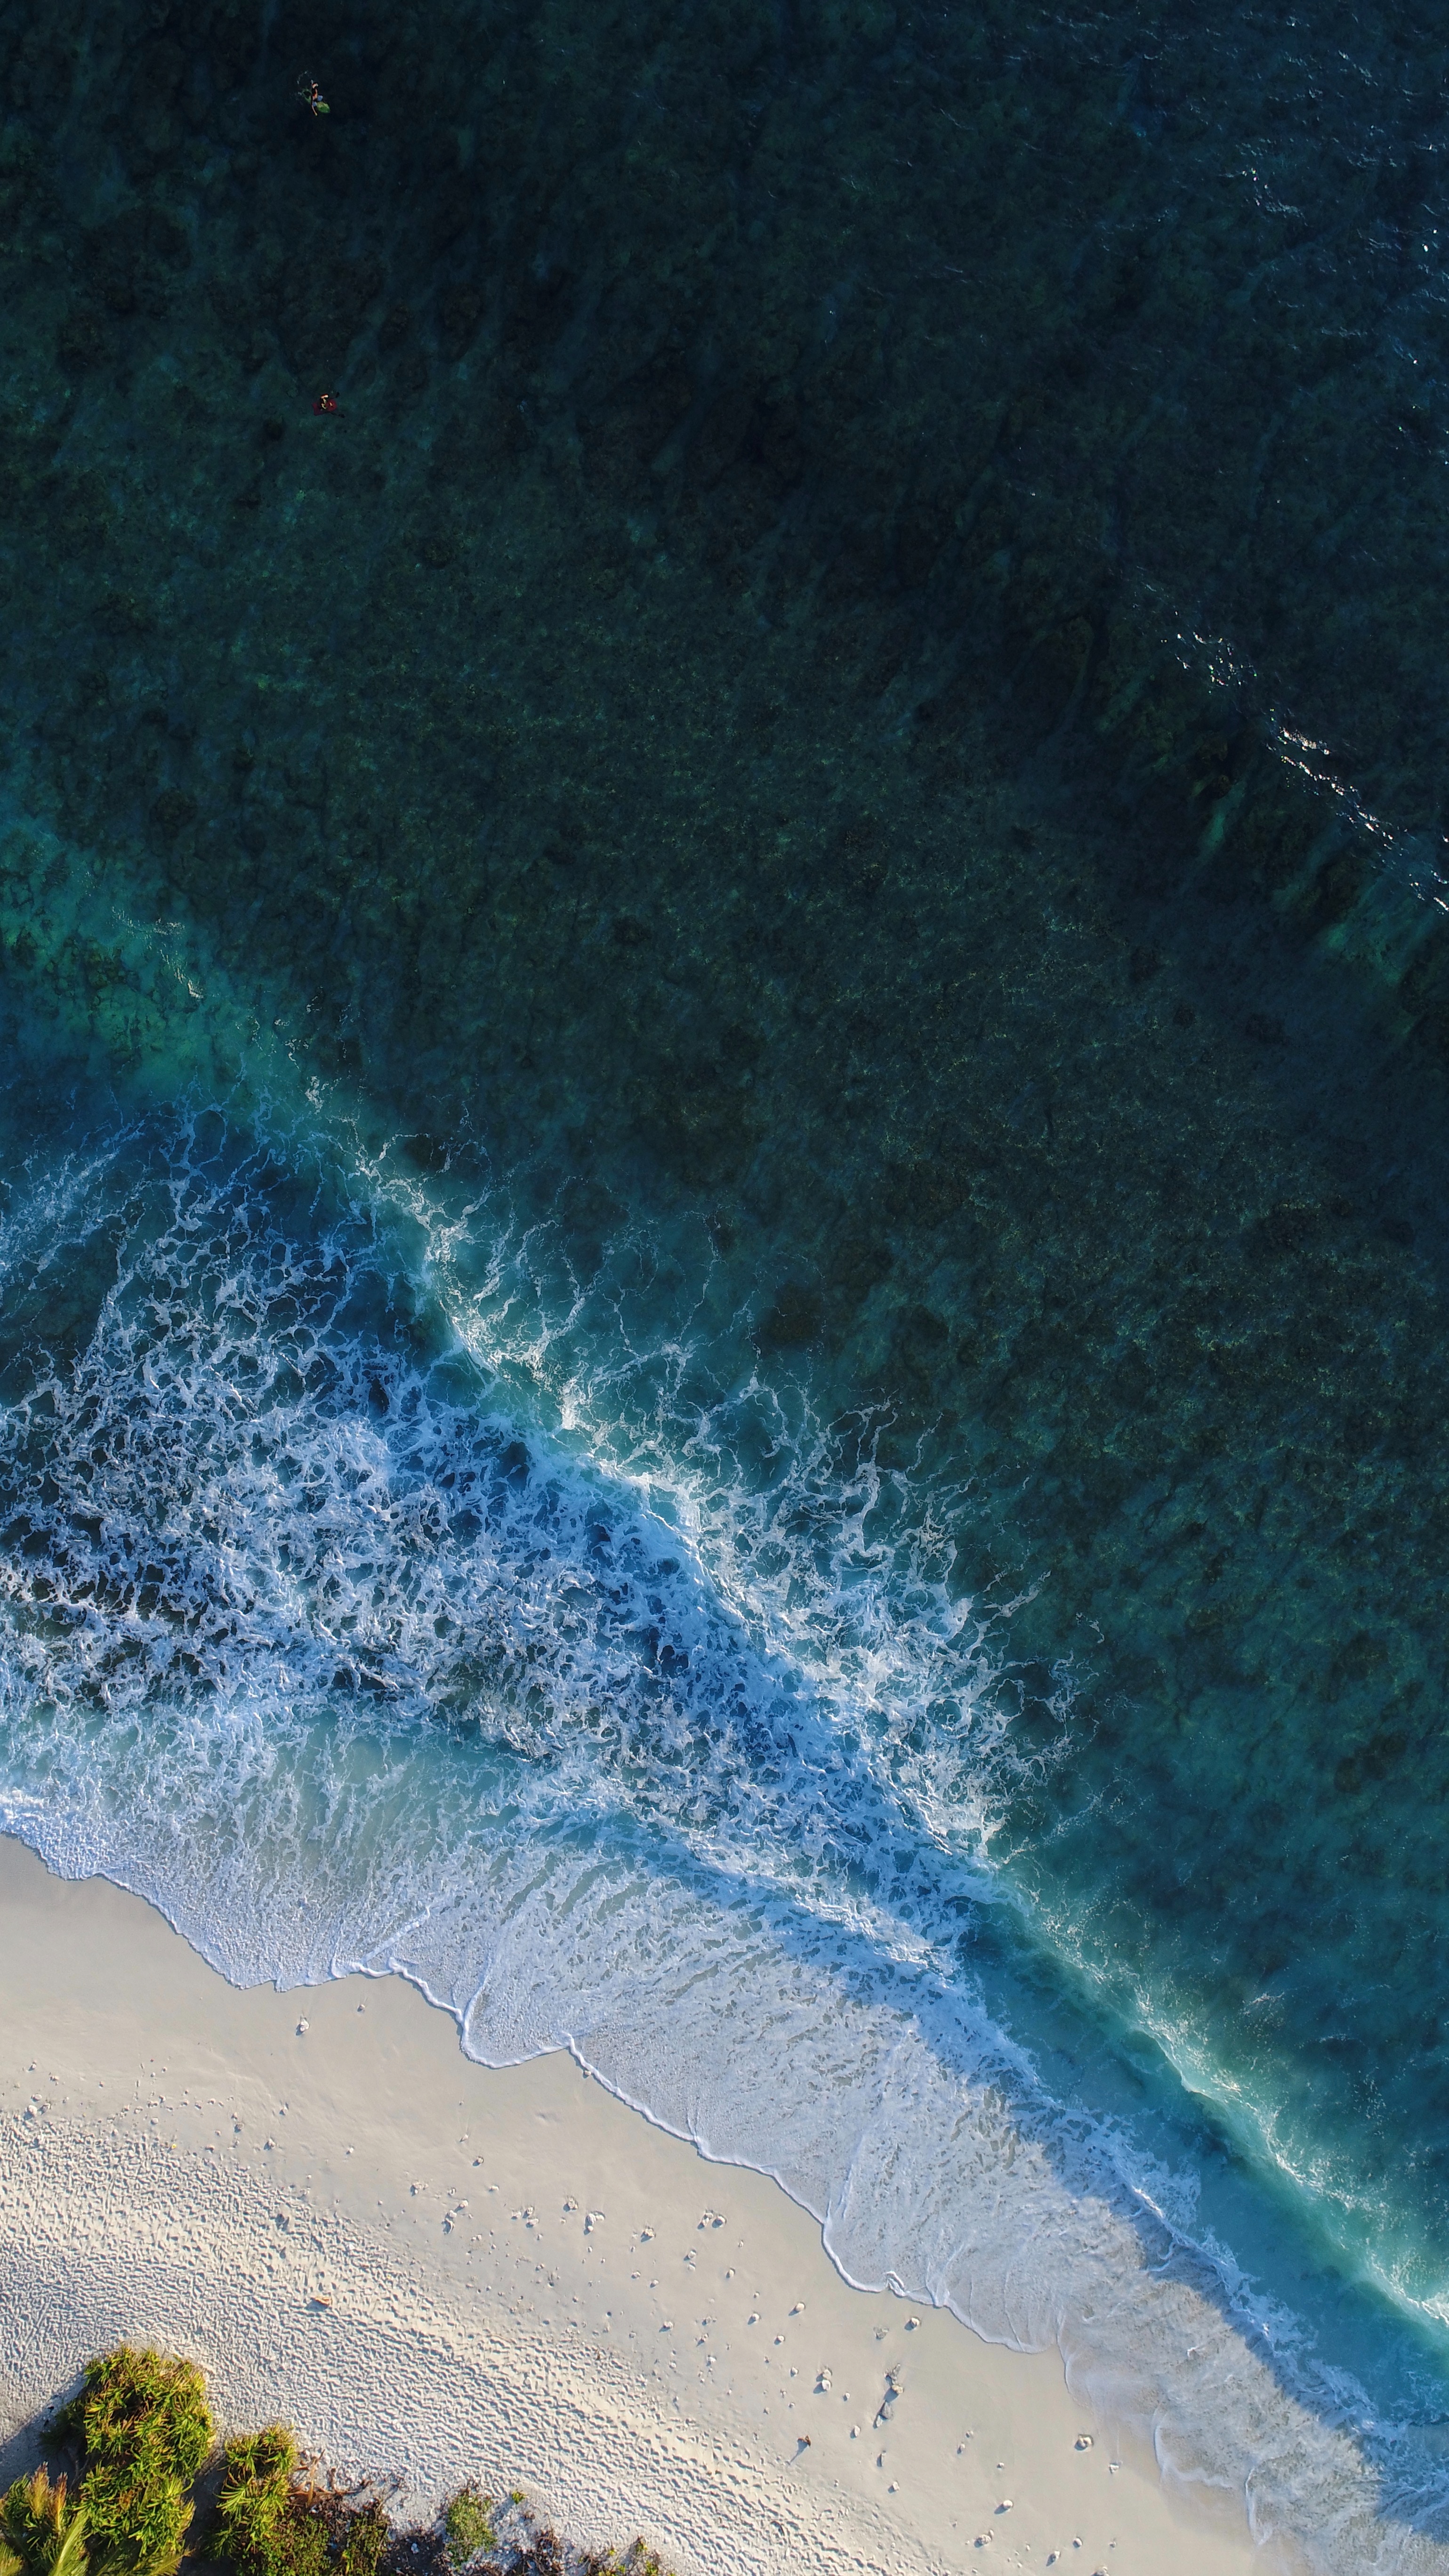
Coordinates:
<point>618,1702</point>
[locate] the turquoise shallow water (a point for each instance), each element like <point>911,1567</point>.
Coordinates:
<point>721,1276</point>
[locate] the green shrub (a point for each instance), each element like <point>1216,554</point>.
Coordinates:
<point>265,2528</point>
<point>40,2534</point>
<point>146,2430</point>
<point>268,2527</point>
<point>257,2470</point>
<point>144,2408</point>
<point>468,2525</point>
<point>363,2541</point>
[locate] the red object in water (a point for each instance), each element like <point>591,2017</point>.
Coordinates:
<point>326,402</point>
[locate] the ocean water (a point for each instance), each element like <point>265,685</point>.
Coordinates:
<point>722,1114</point>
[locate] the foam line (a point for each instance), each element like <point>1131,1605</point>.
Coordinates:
<point>340,1617</point>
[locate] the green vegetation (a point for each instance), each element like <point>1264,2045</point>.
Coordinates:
<point>40,2533</point>
<point>468,2526</point>
<point>523,2546</point>
<point>360,2550</point>
<point>261,2533</point>
<point>144,2430</point>
<point>272,2525</point>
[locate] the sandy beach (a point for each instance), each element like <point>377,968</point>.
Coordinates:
<point>439,2269</point>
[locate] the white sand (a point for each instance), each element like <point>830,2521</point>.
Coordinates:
<point>429,2266</point>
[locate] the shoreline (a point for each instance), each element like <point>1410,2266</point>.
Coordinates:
<point>439,2269</point>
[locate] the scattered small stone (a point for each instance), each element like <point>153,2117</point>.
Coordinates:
<point>1084,2441</point>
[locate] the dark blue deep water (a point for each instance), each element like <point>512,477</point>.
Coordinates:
<point>724,1093</point>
